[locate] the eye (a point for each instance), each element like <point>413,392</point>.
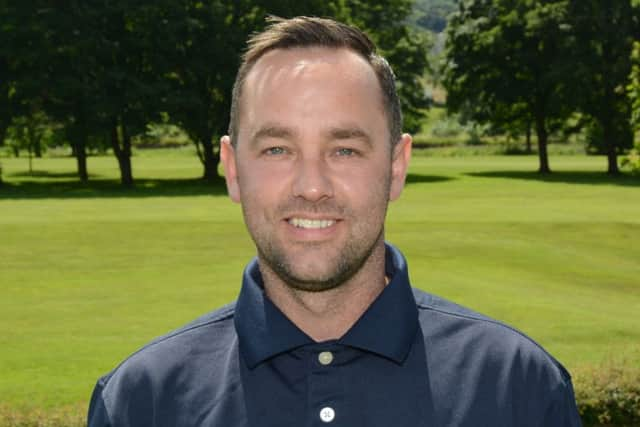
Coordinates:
<point>274,151</point>
<point>346,152</point>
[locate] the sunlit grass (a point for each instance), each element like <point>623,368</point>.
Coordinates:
<point>89,273</point>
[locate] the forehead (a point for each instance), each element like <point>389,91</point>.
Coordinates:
<point>308,79</point>
<point>301,61</point>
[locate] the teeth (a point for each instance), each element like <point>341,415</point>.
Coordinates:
<point>311,223</point>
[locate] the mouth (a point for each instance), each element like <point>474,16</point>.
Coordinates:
<point>311,224</point>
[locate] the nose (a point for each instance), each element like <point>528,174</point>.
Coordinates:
<point>312,181</point>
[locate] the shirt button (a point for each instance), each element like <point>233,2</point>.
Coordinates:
<point>325,358</point>
<point>327,414</point>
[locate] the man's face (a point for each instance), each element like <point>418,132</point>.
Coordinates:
<point>312,165</point>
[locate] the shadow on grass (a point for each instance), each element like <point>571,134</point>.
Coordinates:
<point>110,188</point>
<point>48,174</point>
<point>589,178</point>
<point>414,178</point>
<point>103,188</point>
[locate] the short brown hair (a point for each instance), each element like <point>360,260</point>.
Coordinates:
<point>305,31</point>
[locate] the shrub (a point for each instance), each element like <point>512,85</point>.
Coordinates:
<point>632,161</point>
<point>68,416</point>
<point>448,127</point>
<point>609,395</point>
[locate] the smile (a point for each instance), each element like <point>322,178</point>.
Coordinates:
<point>311,223</point>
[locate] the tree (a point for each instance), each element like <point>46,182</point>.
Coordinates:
<point>11,33</point>
<point>87,66</point>
<point>196,47</point>
<point>508,60</point>
<point>633,87</point>
<point>633,159</point>
<point>105,69</point>
<point>199,44</point>
<point>29,132</point>
<point>61,71</point>
<point>5,98</point>
<point>130,85</point>
<point>404,48</point>
<point>605,31</point>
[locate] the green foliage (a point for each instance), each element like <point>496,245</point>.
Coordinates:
<point>404,47</point>
<point>621,132</point>
<point>518,64</point>
<point>508,65</point>
<point>448,126</point>
<point>633,88</point>
<point>609,394</point>
<point>106,69</point>
<point>604,34</point>
<point>31,132</point>
<point>632,161</point>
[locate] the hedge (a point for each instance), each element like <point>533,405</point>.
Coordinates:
<point>609,395</point>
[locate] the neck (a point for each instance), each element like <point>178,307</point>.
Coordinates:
<point>328,315</point>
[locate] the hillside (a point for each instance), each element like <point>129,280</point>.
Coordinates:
<point>432,15</point>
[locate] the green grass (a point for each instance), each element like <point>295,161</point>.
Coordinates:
<point>89,273</point>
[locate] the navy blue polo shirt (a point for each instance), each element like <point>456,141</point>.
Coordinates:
<point>411,360</point>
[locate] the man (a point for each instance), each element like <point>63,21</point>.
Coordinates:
<point>327,330</point>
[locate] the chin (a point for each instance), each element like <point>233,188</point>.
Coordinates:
<point>316,279</point>
<point>312,284</point>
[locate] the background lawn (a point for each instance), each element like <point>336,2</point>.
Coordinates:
<point>89,273</point>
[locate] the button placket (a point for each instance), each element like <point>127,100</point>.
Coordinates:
<point>326,390</point>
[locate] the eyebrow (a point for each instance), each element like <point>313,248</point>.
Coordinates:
<point>272,131</point>
<point>334,133</point>
<point>351,132</point>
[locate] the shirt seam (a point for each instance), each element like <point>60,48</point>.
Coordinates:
<point>224,315</point>
<point>565,374</point>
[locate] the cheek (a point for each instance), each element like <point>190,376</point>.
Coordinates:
<point>366,187</point>
<point>257,182</point>
<point>260,193</point>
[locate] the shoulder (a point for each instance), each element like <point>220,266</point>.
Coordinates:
<point>484,340</point>
<point>194,359</point>
<point>206,333</point>
<point>481,368</point>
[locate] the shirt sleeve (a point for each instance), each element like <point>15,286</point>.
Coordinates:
<point>98,415</point>
<point>563,411</point>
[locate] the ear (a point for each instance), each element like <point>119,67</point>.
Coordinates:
<point>399,164</point>
<point>228,158</point>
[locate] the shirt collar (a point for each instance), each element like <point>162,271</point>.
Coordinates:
<point>387,327</point>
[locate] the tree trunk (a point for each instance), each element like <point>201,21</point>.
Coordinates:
<point>80,151</point>
<point>34,139</point>
<point>122,153</point>
<point>30,160</point>
<point>124,160</point>
<point>541,132</point>
<point>529,148</point>
<point>37,147</point>
<point>210,161</point>
<point>4,125</point>
<point>610,143</point>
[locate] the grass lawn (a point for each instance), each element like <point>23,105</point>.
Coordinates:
<point>89,273</point>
